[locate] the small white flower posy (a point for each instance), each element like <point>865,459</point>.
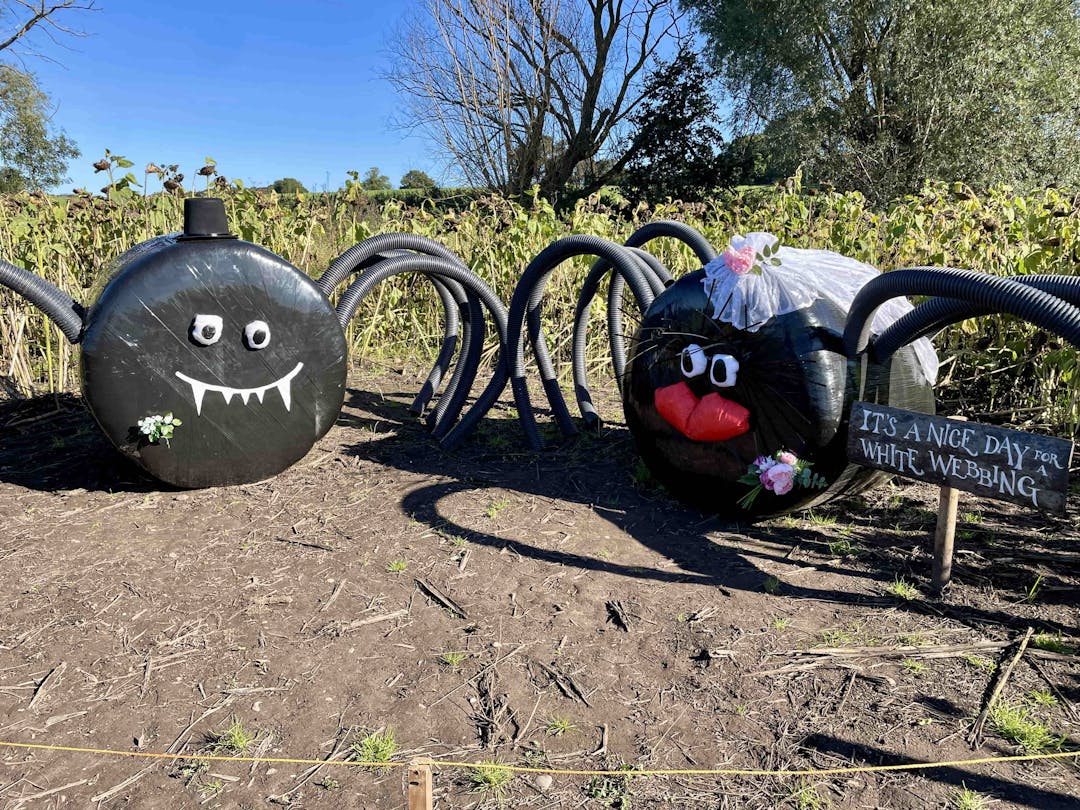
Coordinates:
<point>157,427</point>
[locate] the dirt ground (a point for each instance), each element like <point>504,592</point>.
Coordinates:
<point>492,604</point>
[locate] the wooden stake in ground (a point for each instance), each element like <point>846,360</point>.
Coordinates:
<point>944,537</point>
<point>420,785</point>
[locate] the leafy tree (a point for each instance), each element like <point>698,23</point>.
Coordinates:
<point>879,95</point>
<point>28,145</point>
<point>288,185</point>
<point>747,161</point>
<point>375,181</point>
<point>523,92</point>
<point>32,153</point>
<point>414,178</point>
<point>677,141</point>
<point>12,180</point>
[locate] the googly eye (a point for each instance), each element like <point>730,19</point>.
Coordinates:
<point>723,368</point>
<point>693,361</point>
<point>206,329</point>
<point>257,335</point>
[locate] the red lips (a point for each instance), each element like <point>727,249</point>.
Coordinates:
<point>709,419</point>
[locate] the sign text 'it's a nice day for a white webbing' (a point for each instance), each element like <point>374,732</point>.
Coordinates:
<point>994,462</point>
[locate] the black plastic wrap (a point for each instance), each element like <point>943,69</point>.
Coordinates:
<point>793,389</point>
<point>253,400</point>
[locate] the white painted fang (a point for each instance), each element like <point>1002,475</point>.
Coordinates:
<point>197,391</point>
<point>285,389</point>
<point>283,386</point>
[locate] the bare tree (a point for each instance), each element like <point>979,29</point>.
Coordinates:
<point>19,18</point>
<point>524,92</point>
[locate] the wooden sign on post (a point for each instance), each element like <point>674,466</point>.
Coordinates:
<point>990,461</point>
<point>1006,465</point>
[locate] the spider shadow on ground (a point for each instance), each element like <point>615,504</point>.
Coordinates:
<point>51,443</point>
<point>599,473</point>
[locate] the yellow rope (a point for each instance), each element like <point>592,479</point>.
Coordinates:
<point>913,766</point>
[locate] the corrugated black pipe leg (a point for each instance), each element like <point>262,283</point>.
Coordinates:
<point>451,325</point>
<point>60,307</point>
<point>547,372</point>
<point>704,251</point>
<point>527,298</point>
<point>449,408</point>
<point>488,397</point>
<point>935,314</point>
<point>655,274</point>
<point>360,255</point>
<point>987,293</point>
<point>478,296</point>
<point>659,279</point>
<point>371,252</point>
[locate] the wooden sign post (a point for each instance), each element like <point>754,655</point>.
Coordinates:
<point>944,538</point>
<point>994,462</point>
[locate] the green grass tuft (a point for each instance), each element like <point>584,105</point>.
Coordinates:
<point>967,799</point>
<point>1016,725</point>
<point>495,507</point>
<point>1044,641</point>
<point>378,746</point>
<point>843,548</point>
<point>490,777</point>
<point>1042,697</point>
<point>818,519</point>
<point>913,666</point>
<point>235,739</point>
<point>903,589</point>
<point>452,659</point>
<point>806,797</point>
<point>558,726</point>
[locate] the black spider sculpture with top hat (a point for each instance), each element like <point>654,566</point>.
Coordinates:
<point>208,360</point>
<point>227,344</point>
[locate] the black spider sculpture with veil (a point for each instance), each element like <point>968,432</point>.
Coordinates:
<point>738,382</point>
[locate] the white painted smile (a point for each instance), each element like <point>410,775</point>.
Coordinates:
<point>284,387</point>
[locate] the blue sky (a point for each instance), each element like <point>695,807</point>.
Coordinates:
<point>267,88</point>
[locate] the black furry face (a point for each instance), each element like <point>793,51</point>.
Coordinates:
<point>786,386</point>
<point>230,339</point>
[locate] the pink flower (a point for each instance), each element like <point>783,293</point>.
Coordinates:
<point>780,478</point>
<point>787,457</point>
<point>740,261</point>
